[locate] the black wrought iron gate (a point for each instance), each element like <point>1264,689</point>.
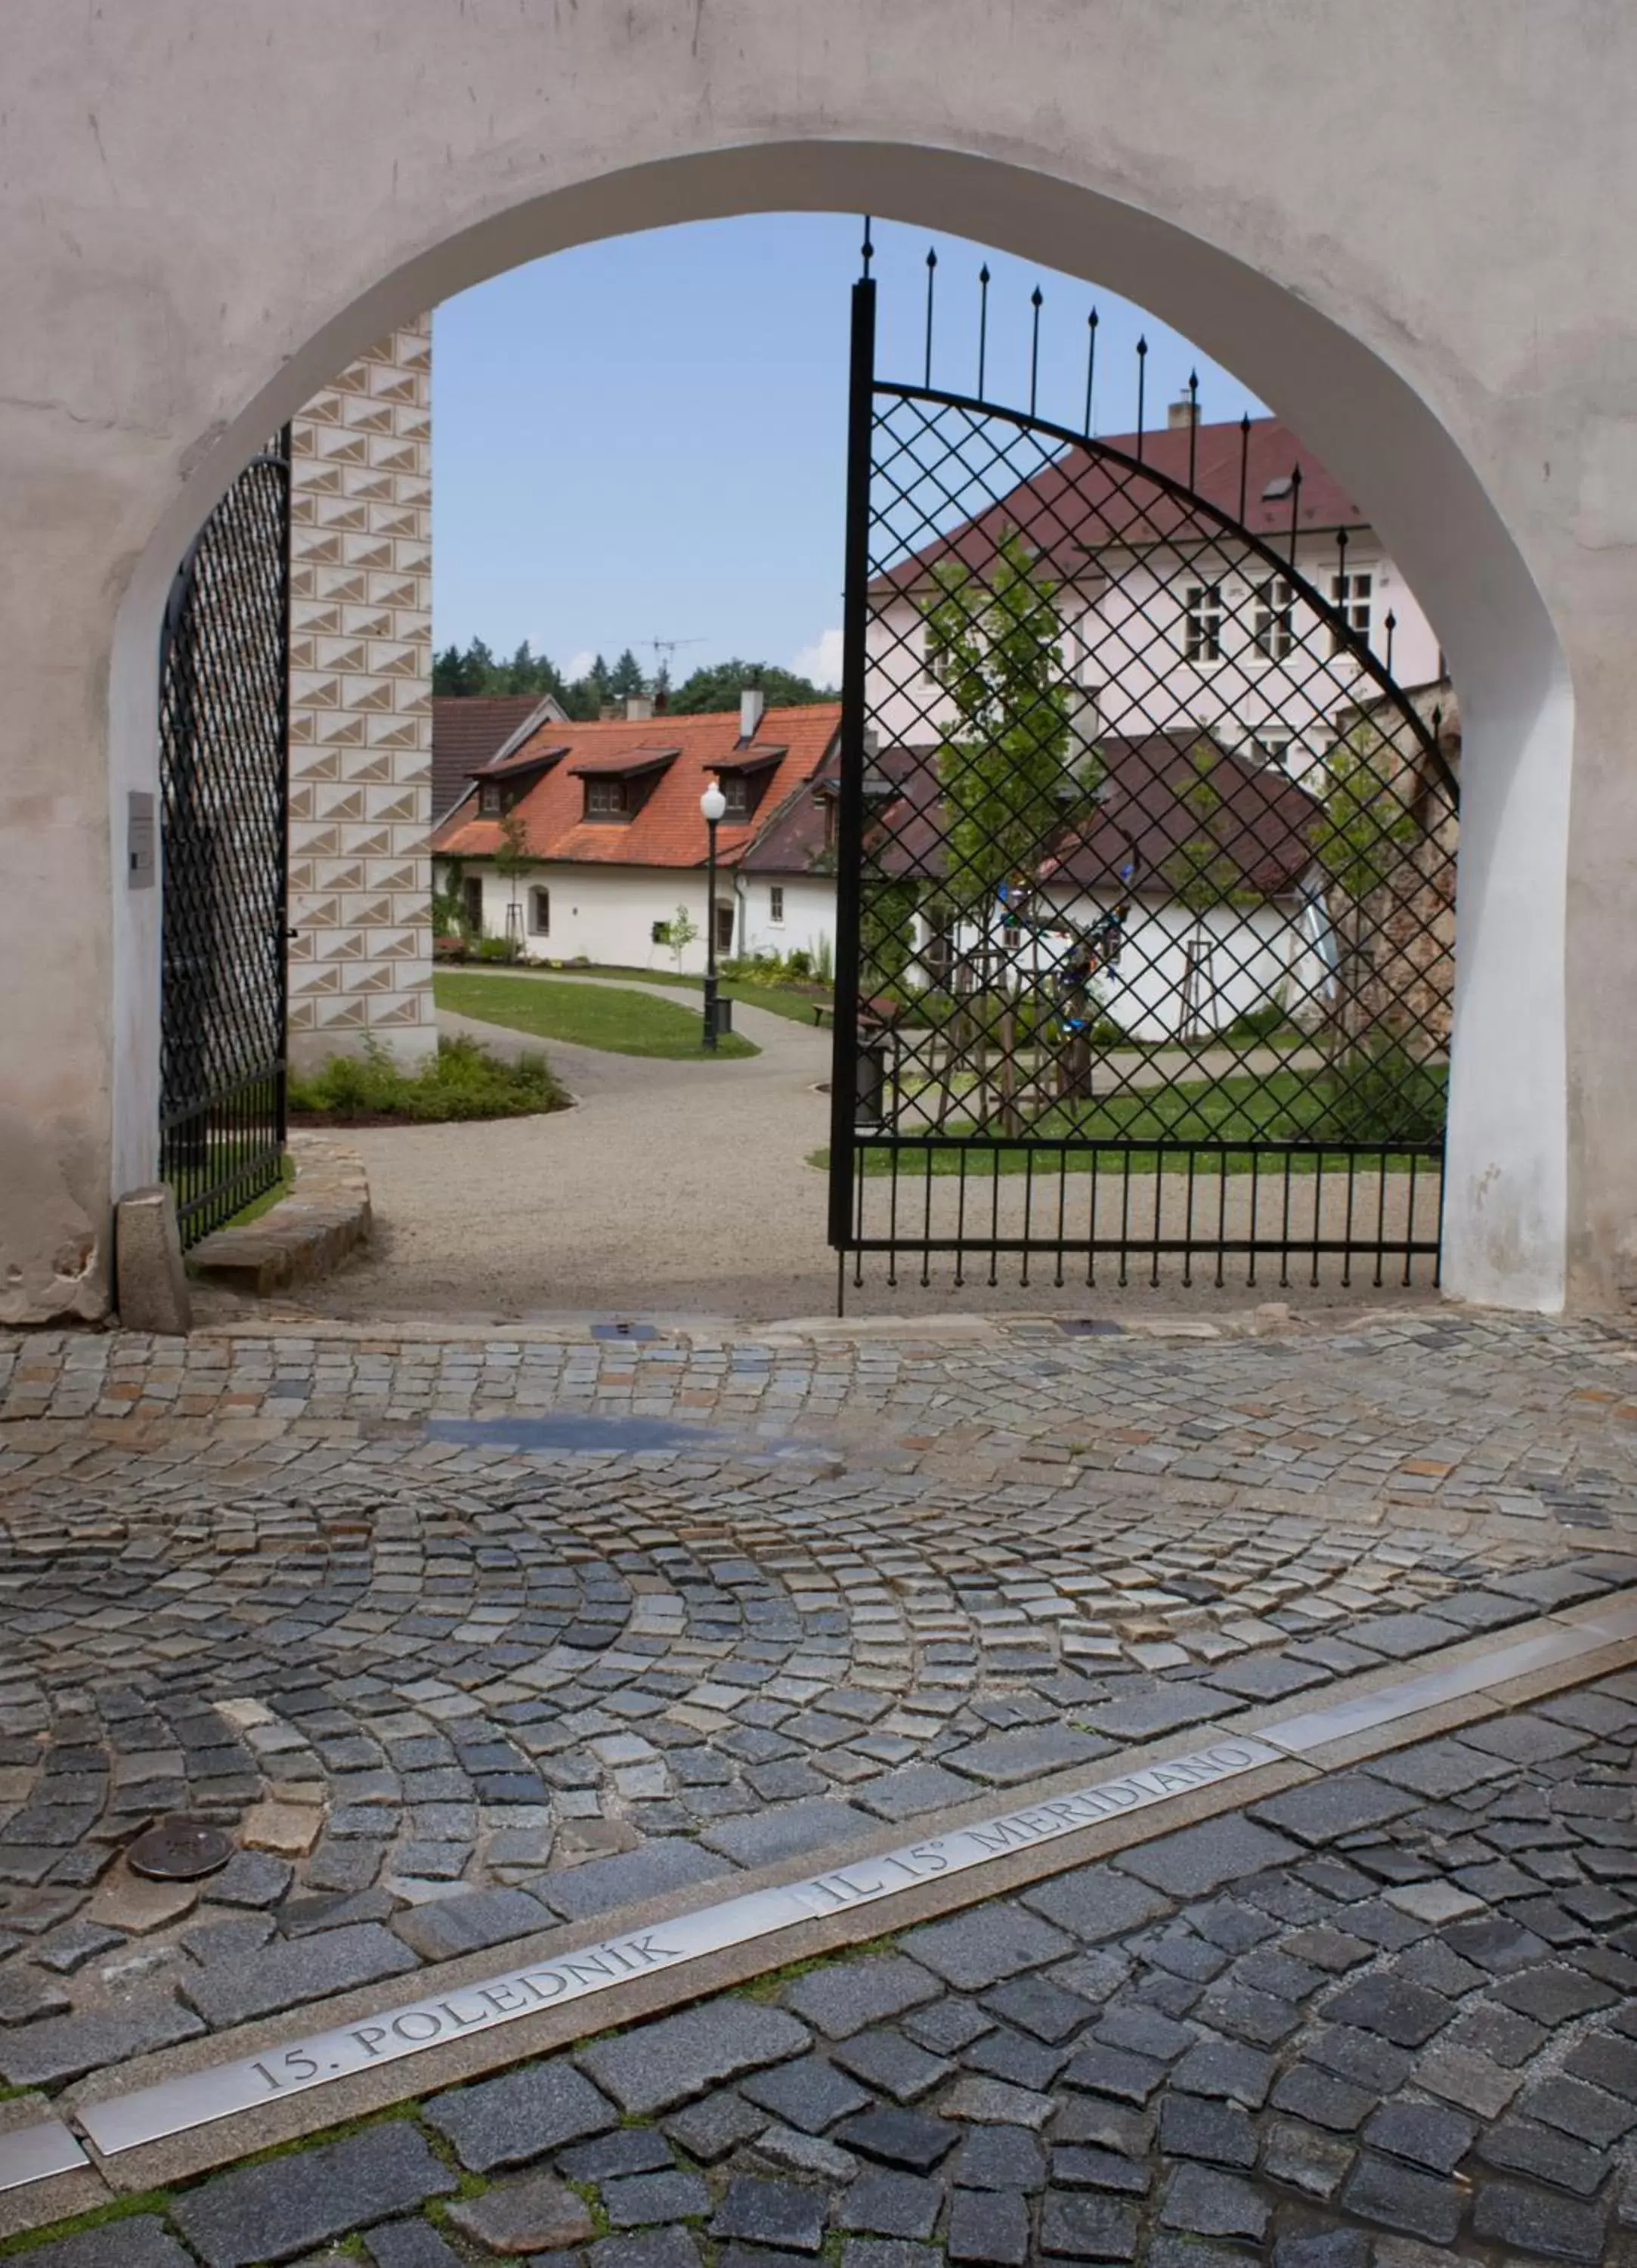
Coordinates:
<point>224,708</point>
<point>1145,860</point>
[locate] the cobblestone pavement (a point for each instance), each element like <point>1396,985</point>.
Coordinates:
<point>704,1605</point>
<point>1381,2021</point>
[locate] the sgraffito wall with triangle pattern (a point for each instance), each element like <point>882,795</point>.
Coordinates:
<point>360,710</point>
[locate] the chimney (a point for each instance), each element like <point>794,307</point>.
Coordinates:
<point>753,701</point>
<point>607,711</point>
<point>638,708</point>
<point>1183,411</point>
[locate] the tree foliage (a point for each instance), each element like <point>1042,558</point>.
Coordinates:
<point>994,646</point>
<point>719,685</point>
<point>1202,872</point>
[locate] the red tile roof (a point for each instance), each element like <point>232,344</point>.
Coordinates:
<point>1263,824</point>
<point>1079,503</point>
<point>667,830</point>
<point>469,729</point>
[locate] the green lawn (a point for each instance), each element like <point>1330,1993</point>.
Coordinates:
<point>1240,1110</point>
<point>603,1016</point>
<point>790,1000</point>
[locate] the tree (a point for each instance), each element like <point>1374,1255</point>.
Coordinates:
<point>513,859</point>
<point>1365,828</point>
<point>1202,872</point>
<point>626,678</point>
<point>1004,763</point>
<point>720,685</point>
<point>680,932</point>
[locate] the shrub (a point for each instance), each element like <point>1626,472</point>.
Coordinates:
<point>496,948</point>
<point>462,1080</point>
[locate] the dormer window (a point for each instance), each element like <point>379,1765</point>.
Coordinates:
<point>607,800</point>
<point>739,792</point>
<point>489,799</point>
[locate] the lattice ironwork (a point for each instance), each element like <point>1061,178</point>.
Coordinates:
<point>1146,863</point>
<point>223,693</point>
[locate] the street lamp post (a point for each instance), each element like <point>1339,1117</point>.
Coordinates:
<point>712,805</point>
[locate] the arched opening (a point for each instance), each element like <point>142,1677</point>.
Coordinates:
<point>1506,1193</point>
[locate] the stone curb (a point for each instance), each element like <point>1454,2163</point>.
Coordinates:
<point>307,1234</point>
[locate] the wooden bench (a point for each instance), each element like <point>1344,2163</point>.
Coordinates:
<point>824,1013</point>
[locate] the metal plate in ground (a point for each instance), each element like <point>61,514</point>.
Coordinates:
<point>180,1850</point>
<point>33,2153</point>
<point>1088,1327</point>
<point>632,1331</point>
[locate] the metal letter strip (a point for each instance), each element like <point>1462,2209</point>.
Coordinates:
<point>33,2153</point>
<point>1301,1735</point>
<point>126,2122</point>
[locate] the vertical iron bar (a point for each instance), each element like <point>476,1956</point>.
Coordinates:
<point>1034,350</point>
<point>850,801</point>
<point>1193,428</point>
<point>983,322</point>
<point>960,1220</point>
<point>867,249</point>
<point>1409,1222</point>
<point>1091,321</point>
<point>932,269</point>
<point>1256,1199</point>
<point>1142,373</point>
<point>1284,1234</point>
<point>1390,626</point>
<point>1295,512</point>
<point>1244,458</point>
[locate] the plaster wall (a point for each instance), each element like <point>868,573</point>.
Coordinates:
<point>1125,640</point>
<point>604,914</point>
<point>207,210</point>
<point>807,920</point>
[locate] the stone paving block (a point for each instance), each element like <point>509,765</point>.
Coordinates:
<point>275,2211</point>
<point>1096,1901</point>
<point>1399,2196</point>
<point>407,2244</point>
<point>987,2226</point>
<point>776,2213</point>
<point>1145,1717</point>
<point>999,2158</point>
<point>883,2203</point>
<point>1341,1803</point>
<point>66,2047</point>
<point>1197,1860</point>
<point>661,2064</point>
<point>1557,2228</point>
<point>628,2150</point>
<point>1007,1759</point>
<point>641,2200</point>
<point>979,1948</point>
<point>1081,2228</point>
<point>808,2094</point>
<point>447,1927</point>
<point>892,2065</point>
<point>523,2114</point>
<point>284,1976</point>
<point>1207,2203</point>
<point>759,1838</point>
<point>526,2213</point>
<point>913,1789</point>
<point>139,2242</point>
<point>894,2137</point>
<point>665,1863</point>
<point>845,1996</point>
<point>655,2248</point>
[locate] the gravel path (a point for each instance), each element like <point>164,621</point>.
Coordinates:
<point>675,1186</point>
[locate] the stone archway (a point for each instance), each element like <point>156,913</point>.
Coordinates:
<point>423,154</point>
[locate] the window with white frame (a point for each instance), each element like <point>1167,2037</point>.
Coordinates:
<point>1269,747</point>
<point>1271,624</point>
<point>1202,621</point>
<point>935,661</point>
<point>489,799</point>
<point>1350,594</point>
<point>539,913</point>
<point>775,901</point>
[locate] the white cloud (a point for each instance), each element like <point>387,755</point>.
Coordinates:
<point>822,660</point>
<point>576,666</point>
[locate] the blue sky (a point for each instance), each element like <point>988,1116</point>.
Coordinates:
<point>645,438</point>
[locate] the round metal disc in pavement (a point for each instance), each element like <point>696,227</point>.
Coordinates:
<point>180,1850</point>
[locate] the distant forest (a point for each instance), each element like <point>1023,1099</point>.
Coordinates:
<point>478,670</point>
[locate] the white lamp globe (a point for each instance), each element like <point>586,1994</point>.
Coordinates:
<point>712,803</point>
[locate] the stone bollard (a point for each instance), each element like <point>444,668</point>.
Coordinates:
<point>151,1283</point>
